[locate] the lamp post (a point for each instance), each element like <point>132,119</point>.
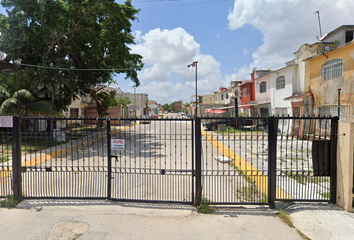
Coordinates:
<point>17,63</point>
<point>194,64</point>
<point>135,97</point>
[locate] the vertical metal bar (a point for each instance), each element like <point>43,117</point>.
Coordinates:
<point>272,160</point>
<point>16,158</point>
<point>198,159</point>
<point>339,102</point>
<point>333,183</point>
<point>109,154</point>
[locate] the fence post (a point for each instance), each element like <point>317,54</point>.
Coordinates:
<point>198,160</point>
<point>333,181</point>
<point>16,158</point>
<point>272,160</point>
<point>109,165</point>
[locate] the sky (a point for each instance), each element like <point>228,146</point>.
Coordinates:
<point>228,38</point>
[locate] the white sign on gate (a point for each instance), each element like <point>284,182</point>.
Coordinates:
<point>6,122</point>
<point>117,144</point>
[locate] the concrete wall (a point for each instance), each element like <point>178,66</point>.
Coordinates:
<point>345,151</point>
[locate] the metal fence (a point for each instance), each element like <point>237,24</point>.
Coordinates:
<point>225,161</point>
<point>263,160</point>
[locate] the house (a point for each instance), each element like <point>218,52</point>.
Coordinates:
<point>331,73</point>
<point>179,106</point>
<point>248,94</point>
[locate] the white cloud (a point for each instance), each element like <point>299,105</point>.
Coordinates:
<point>287,24</point>
<point>242,74</point>
<point>166,54</point>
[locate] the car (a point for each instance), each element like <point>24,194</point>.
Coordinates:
<point>181,115</point>
<point>160,113</point>
<point>241,123</point>
<point>154,116</point>
<point>166,112</point>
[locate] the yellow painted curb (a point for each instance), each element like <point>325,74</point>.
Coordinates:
<point>259,179</point>
<point>48,156</point>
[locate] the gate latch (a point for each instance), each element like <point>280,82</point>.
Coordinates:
<point>116,157</point>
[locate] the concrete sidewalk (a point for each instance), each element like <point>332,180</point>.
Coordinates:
<point>100,219</point>
<point>322,221</point>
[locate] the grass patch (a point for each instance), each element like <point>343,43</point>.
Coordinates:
<point>230,129</point>
<point>203,207</point>
<point>77,236</point>
<point>285,217</point>
<point>326,195</point>
<point>303,236</point>
<point>10,202</point>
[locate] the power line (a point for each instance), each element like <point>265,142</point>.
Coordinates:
<point>76,69</point>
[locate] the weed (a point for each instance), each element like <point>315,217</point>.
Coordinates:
<point>10,202</point>
<point>203,207</point>
<point>77,236</point>
<point>285,217</point>
<point>303,236</point>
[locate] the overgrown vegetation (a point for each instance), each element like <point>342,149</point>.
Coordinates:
<point>10,202</point>
<point>203,207</point>
<point>285,217</point>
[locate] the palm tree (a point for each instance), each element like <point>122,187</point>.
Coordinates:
<point>21,102</point>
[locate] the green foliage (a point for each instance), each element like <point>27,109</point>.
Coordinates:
<point>69,34</point>
<point>10,202</point>
<point>165,106</point>
<point>284,216</point>
<point>104,101</point>
<point>203,207</point>
<point>28,104</point>
<point>124,102</point>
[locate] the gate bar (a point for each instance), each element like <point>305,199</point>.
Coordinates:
<point>109,159</point>
<point>198,160</point>
<point>333,180</point>
<point>16,158</point>
<point>272,160</point>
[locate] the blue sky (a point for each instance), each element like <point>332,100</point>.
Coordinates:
<point>227,37</point>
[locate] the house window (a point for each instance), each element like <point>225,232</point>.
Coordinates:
<point>236,93</point>
<point>280,82</point>
<point>332,69</point>
<point>227,96</point>
<point>216,99</point>
<point>263,87</point>
<point>74,112</point>
<point>222,96</point>
<point>245,92</point>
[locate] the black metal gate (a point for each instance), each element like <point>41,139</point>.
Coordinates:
<point>73,158</point>
<point>225,161</point>
<point>263,160</point>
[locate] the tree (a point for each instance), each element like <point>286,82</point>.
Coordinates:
<point>165,107</point>
<point>70,34</point>
<point>124,102</point>
<point>22,101</point>
<point>186,105</point>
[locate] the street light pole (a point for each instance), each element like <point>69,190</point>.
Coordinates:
<point>17,63</point>
<point>194,64</point>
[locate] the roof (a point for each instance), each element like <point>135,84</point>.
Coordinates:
<point>336,30</point>
<point>298,96</point>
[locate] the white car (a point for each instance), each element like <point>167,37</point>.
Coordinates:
<point>181,115</point>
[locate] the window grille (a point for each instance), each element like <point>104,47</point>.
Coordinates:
<point>263,87</point>
<point>280,82</point>
<point>332,69</point>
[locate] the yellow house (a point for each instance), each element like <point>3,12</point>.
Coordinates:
<point>326,75</point>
